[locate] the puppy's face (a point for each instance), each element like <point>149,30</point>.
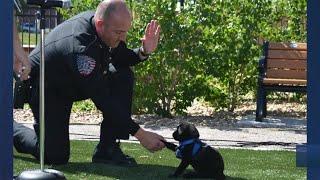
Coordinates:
<point>185,131</point>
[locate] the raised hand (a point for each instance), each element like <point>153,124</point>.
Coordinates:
<point>150,39</point>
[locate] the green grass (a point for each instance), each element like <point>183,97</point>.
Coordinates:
<point>26,38</point>
<point>239,164</point>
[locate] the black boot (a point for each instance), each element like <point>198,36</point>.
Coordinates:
<point>112,154</point>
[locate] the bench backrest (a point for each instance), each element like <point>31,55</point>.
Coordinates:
<point>286,60</point>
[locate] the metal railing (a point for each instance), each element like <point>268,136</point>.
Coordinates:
<point>28,26</point>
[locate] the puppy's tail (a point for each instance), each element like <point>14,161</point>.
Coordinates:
<point>169,145</point>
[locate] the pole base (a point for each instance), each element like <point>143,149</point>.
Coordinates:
<point>46,174</point>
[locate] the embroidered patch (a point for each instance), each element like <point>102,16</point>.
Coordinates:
<point>85,64</point>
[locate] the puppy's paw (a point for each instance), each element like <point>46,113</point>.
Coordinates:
<point>169,145</point>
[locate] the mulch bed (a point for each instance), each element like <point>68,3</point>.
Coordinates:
<point>198,113</point>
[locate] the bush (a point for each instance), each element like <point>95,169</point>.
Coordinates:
<point>210,49</point>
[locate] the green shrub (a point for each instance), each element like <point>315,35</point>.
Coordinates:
<point>210,49</point>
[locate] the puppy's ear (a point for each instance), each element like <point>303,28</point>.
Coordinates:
<point>187,131</point>
<point>194,133</point>
<point>178,133</point>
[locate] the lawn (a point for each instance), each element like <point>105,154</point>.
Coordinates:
<point>34,39</point>
<point>239,164</point>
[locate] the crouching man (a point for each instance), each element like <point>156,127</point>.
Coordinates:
<point>86,58</point>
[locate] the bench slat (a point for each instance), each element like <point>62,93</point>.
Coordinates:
<point>286,74</point>
<point>283,54</point>
<point>288,46</point>
<point>270,81</point>
<point>287,64</point>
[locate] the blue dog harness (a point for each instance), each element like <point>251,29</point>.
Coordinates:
<point>196,147</point>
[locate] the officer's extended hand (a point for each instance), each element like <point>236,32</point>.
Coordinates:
<point>151,37</point>
<point>150,140</point>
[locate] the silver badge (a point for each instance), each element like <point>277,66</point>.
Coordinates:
<point>112,68</point>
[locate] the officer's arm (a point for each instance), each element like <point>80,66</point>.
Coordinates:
<point>133,127</point>
<point>128,57</point>
<point>141,53</point>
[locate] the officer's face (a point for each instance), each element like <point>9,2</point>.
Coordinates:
<point>115,30</point>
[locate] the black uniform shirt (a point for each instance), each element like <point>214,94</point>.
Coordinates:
<point>75,54</point>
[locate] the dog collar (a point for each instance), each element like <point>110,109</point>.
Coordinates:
<point>196,147</point>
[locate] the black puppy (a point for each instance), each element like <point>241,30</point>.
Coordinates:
<point>205,160</point>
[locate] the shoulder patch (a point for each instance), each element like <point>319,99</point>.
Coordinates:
<point>86,64</point>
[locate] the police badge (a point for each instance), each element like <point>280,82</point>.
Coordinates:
<point>85,64</point>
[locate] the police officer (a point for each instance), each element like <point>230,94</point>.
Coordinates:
<point>86,57</point>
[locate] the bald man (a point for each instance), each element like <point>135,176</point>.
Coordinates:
<point>87,58</point>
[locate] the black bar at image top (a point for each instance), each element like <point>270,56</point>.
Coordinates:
<point>46,3</point>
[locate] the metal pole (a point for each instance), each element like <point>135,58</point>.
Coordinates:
<point>42,86</point>
<point>42,122</point>
<point>43,174</point>
<point>41,17</point>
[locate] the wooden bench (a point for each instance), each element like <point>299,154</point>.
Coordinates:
<point>283,68</point>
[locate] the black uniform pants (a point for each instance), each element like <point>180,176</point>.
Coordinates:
<point>112,95</point>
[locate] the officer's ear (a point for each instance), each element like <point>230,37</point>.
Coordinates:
<point>99,25</point>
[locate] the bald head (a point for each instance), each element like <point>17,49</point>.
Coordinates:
<point>112,9</point>
<point>112,21</point>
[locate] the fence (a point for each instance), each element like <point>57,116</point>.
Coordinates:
<point>29,28</point>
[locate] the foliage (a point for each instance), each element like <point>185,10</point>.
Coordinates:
<point>232,50</point>
<point>172,77</point>
<point>208,50</point>
<point>85,105</point>
<point>286,22</point>
<point>79,6</point>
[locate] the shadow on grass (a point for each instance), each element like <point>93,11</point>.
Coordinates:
<point>26,158</point>
<point>235,178</point>
<point>77,170</point>
<point>143,171</point>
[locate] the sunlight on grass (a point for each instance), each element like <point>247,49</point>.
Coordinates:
<point>239,164</point>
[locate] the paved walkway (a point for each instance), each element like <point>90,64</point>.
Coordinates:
<point>272,134</point>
